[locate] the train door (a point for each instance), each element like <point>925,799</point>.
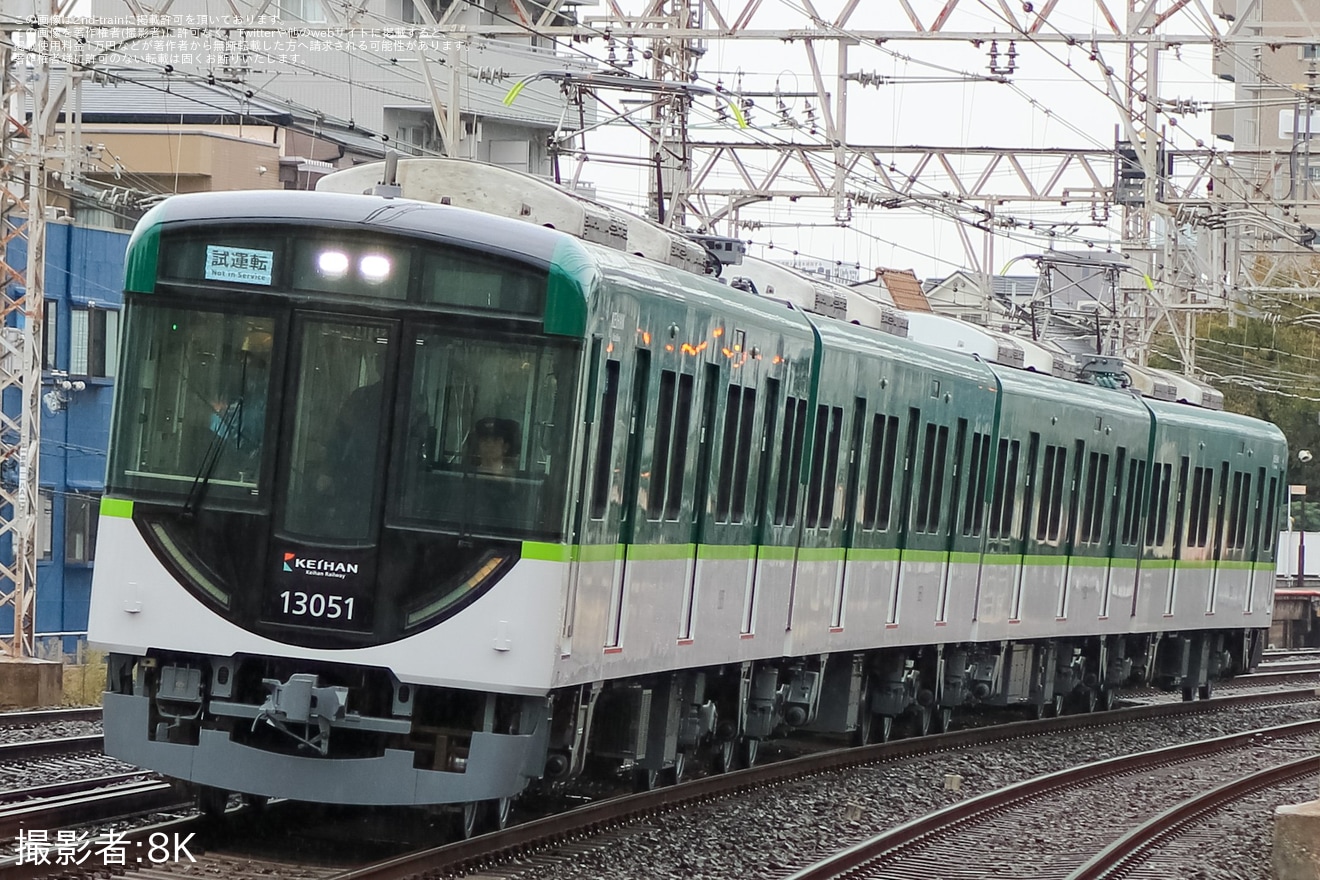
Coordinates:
<point>628,512</point>
<point>331,485</point>
<point>704,436</point>
<point>596,521</point>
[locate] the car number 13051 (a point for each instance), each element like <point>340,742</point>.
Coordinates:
<point>299,604</point>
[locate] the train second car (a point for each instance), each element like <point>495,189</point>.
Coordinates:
<point>409,504</point>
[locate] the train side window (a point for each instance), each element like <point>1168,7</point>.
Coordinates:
<point>1132,503</point>
<point>724,488</point>
<point>1180,510</point>
<point>930,488</point>
<point>743,460</point>
<point>1259,514</point>
<point>679,447</point>
<point>852,486</point>
<point>1157,522</point>
<point>876,502</point>
<point>767,450</point>
<point>1073,490</point>
<point>1030,493</point>
<point>1050,496</point>
<point>664,426</point>
<point>1005,492</point>
<point>600,481</point>
<point>974,504</point>
<point>1116,496</point>
<point>1221,507</point>
<point>1093,502</point>
<point>824,467</point>
<point>790,459</point>
<point>817,466</point>
<point>1236,513</point>
<point>1271,511</point>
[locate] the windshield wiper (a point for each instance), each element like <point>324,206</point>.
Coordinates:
<point>216,449</point>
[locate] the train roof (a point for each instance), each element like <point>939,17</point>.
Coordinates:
<point>526,198</point>
<point>403,216</point>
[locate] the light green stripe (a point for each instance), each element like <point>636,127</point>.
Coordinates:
<point>962,557</point>
<point>924,555</point>
<point>1157,563</point>
<point>1197,564</point>
<point>117,507</point>
<point>1237,565</point>
<point>776,554</point>
<point>820,554</point>
<point>547,552</point>
<point>598,552</point>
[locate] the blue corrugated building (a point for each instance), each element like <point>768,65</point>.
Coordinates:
<point>84,278</point>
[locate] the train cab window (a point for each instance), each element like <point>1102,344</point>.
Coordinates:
<point>880,461</point>
<point>192,408</point>
<point>458,388</point>
<point>336,448</point>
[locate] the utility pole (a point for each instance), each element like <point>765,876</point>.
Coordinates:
<point>23,180</point>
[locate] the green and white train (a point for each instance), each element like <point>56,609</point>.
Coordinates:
<point>412,504</point>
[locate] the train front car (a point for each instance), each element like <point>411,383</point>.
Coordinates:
<point>332,539</point>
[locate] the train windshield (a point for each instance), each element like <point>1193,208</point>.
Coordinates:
<point>192,414</point>
<point>486,436</point>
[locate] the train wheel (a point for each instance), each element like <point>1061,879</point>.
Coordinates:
<point>862,733</point>
<point>922,721</point>
<point>500,810</point>
<point>1090,700</point>
<point>645,780</point>
<point>1206,690</point>
<point>748,748</point>
<point>944,720</point>
<point>886,731</point>
<point>1188,694</point>
<point>1107,699</point>
<point>473,820</point>
<point>674,775</point>
<point>1056,706</point>
<point>481,817</point>
<point>726,756</point>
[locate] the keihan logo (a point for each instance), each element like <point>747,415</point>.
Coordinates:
<point>318,567</point>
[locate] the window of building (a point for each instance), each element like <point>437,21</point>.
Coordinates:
<point>50,330</point>
<point>45,525</point>
<point>80,516</point>
<point>94,342</point>
<point>302,10</point>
